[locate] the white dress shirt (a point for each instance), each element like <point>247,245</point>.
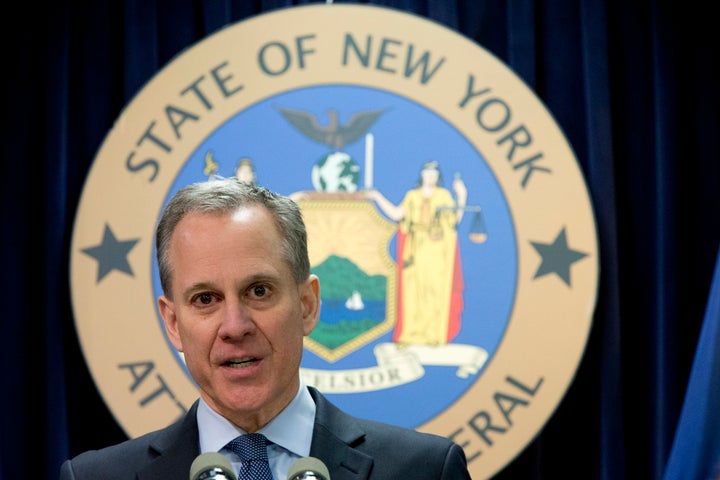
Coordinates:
<point>290,433</point>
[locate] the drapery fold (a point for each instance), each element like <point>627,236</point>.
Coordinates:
<point>696,446</point>
<point>599,168</point>
<point>664,241</point>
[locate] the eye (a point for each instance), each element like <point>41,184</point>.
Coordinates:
<point>262,295</point>
<point>259,290</point>
<point>204,299</point>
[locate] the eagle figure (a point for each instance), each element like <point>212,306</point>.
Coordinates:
<point>333,134</point>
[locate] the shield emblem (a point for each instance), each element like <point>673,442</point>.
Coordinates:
<point>348,246</point>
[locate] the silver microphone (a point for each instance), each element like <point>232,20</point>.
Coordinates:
<point>308,468</point>
<point>212,466</point>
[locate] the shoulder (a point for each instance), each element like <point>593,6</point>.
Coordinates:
<point>178,441</point>
<point>117,461</point>
<point>402,452</point>
<point>436,456</point>
<point>380,435</point>
<point>330,417</point>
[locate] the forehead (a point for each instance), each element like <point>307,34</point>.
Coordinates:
<point>245,224</point>
<point>208,246</point>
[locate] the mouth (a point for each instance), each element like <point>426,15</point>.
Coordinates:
<point>240,362</point>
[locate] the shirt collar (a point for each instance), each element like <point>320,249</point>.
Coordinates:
<point>291,429</point>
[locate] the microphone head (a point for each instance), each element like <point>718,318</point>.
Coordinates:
<point>212,466</point>
<point>308,468</point>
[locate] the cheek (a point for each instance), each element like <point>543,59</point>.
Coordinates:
<point>287,337</point>
<point>196,335</point>
<point>293,351</point>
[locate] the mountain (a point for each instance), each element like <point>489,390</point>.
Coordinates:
<point>339,277</point>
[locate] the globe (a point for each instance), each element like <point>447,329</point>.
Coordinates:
<point>336,172</point>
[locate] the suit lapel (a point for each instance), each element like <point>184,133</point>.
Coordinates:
<point>334,435</point>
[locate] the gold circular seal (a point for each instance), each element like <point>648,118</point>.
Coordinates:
<point>447,216</point>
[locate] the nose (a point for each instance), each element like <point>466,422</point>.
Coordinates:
<point>237,321</point>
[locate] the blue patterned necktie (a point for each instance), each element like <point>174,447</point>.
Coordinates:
<point>252,450</point>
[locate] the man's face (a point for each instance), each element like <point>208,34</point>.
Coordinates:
<point>237,314</point>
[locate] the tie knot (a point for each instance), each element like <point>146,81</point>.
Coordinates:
<point>251,446</point>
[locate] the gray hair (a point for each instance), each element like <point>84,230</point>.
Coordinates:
<point>224,196</point>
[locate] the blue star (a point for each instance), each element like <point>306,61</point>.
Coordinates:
<point>111,254</point>
<point>557,257</point>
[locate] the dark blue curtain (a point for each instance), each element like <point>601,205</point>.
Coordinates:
<point>634,86</point>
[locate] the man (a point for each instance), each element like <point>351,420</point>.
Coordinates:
<point>238,298</point>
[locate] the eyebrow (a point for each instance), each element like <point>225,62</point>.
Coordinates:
<point>197,287</point>
<point>254,278</point>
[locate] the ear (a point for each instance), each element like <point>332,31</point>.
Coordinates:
<point>310,298</point>
<point>167,312</point>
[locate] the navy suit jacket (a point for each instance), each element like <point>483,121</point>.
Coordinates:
<point>351,448</point>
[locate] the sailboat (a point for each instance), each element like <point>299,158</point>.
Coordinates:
<point>354,302</point>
